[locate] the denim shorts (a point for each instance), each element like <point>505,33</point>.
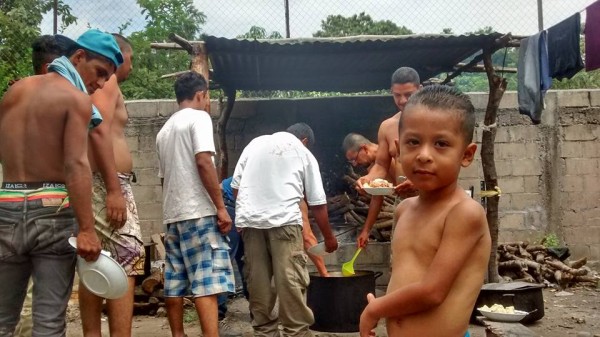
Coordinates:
<point>33,243</point>
<point>197,260</point>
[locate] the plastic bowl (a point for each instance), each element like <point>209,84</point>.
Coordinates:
<point>318,249</point>
<point>103,277</point>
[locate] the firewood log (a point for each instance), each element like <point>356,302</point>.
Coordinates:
<point>153,281</point>
<point>535,248</point>
<point>384,224</point>
<point>578,263</point>
<point>558,265</point>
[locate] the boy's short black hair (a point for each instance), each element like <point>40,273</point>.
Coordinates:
<point>188,84</point>
<point>445,97</point>
<point>301,131</point>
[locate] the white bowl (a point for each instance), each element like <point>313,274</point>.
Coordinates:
<point>318,249</point>
<point>501,317</point>
<point>103,277</point>
<point>379,190</point>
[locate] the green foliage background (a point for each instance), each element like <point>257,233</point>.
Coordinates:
<point>20,24</point>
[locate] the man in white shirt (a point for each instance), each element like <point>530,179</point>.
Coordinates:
<point>272,176</point>
<point>193,210</point>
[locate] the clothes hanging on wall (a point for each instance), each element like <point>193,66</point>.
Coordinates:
<point>564,55</point>
<point>592,36</point>
<point>530,85</point>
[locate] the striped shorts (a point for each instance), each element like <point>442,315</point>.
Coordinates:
<point>197,259</point>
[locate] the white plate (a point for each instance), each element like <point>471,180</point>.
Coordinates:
<point>500,317</point>
<point>104,277</point>
<point>379,190</point>
<point>318,249</point>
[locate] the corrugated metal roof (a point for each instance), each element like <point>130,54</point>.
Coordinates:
<point>350,64</point>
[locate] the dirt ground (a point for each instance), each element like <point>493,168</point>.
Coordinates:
<point>575,312</point>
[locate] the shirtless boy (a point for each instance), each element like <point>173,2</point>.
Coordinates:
<point>405,82</point>
<point>46,191</point>
<point>115,211</point>
<point>441,245</point>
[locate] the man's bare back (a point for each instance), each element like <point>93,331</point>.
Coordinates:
<point>416,247</point>
<point>28,152</point>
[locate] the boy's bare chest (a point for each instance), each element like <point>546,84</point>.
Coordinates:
<point>419,234</point>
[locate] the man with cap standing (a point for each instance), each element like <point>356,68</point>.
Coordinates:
<point>45,196</point>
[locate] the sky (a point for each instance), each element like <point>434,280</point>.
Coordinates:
<point>229,18</point>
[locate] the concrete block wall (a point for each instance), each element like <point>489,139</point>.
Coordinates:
<point>547,172</point>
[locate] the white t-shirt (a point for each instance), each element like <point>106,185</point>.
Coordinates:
<point>273,173</point>
<point>185,134</point>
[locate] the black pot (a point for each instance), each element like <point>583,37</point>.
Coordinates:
<point>337,301</point>
<point>522,295</point>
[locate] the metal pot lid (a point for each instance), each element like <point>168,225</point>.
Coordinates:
<point>511,286</point>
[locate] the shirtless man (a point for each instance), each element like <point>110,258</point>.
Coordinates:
<point>114,208</point>
<point>442,243</point>
<point>405,82</point>
<point>46,191</point>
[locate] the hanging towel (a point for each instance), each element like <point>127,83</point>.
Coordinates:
<point>545,79</point>
<point>564,54</point>
<point>64,67</point>
<point>592,37</point>
<point>529,76</point>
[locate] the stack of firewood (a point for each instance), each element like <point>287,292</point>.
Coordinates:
<point>521,261</point>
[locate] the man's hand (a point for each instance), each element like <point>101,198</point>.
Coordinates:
<point>368,322</point>
<point>116,209</point>
<point>331,244</point>
<point>360,182</point>
<point>223,221</point>
<point>405,189</point>
<point>88,245</point>
<point>363,239</point>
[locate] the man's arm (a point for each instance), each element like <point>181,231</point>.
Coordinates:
<point>374,208</point>
<point>105,100</point>
<point>208,176</point>
<point>465,226</point>
<point>309,239</point>
<point>382,160</point>
<point>322,218</point>
<point>78,176</point>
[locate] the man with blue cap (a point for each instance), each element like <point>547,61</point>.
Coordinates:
<point>45,195</point>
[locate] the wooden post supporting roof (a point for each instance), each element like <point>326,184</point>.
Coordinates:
<point>223,158</point>
<point>497,87</point>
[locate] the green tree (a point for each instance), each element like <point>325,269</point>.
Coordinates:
<point>19,26</point>
<point>162,18</point>
<point>257,32</point>
<point>358,24</point>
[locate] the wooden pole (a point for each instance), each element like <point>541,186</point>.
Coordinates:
<point>55,17</point>
<point>223,160</point>
<point>497,87</point>
<point>287,18</point>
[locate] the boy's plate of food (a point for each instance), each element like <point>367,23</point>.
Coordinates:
<point>379,187</point>
<point>499,313</point>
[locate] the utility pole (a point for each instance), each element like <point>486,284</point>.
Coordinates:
<point>287,18</point>
<point>55,17</point>
<point>540,10</point>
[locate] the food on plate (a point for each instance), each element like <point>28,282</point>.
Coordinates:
<point>499,308</point>
<point>377,183</point>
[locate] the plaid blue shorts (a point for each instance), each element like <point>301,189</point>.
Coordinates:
<point>197,259</point>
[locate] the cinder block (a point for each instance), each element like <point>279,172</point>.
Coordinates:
<point>479,100</point>
<point>521,201</point>
<point>571,218</point>
<point>145,194</point>
<point>589,149</point>
<point>579,132</point>
<point>502,135</point>
<point>523,133</point>
<point>571,183</point>
<point>572,149</point>
<point>510,151</point>
<point>573,98</point>
<point>594,97</point>
<point>473,171</point>
<point>166,108</point>
<point>578,250</point>
<point>147,177</point>
<point>145,159</point>
<point>505,202</point>
<point>577,166</point>
<point>532,184</point>
<point>142,108</point>
<point>527,167</point>
<point>591,188</point>
<point>150,211</point>
<point>513,220</point>
<point>511,184</point>
<point>147,143</point>
<point>509,100</point>
<point>504,168</point>
<point>132,143</point>
<point>594,253</point>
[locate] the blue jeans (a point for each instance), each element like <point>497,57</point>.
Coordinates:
<point>33,243</point>
<point>236,252</point>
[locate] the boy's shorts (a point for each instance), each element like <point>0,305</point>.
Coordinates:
<point>197,261</point>
<point>124,244</point>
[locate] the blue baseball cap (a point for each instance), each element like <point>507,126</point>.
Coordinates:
<point>98,42</point>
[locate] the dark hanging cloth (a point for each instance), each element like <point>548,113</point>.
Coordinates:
<point>531,68</point>
<point>564,55</point>
<point>592,37</point>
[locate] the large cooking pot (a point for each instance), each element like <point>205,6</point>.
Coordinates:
<point>337,301</point>
<point>522,295</point>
